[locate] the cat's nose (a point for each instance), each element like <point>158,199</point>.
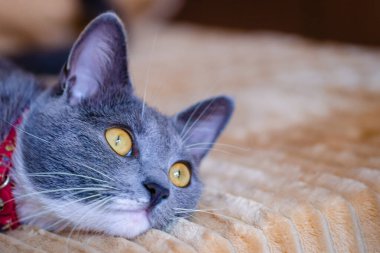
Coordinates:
<point>157,193</point>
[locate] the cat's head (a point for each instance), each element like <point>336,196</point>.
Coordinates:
<point>102,159</point>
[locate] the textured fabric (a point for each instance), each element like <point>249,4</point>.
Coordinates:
<point>303,171</point>
<point>8,215</point>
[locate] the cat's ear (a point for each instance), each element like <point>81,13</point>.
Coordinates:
<point>98,60</point>
<point>201,124</point>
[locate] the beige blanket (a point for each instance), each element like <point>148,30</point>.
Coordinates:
<point>297,170</point>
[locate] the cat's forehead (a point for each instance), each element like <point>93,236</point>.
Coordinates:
<point>131,113</point>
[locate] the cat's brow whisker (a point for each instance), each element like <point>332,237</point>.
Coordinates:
<point>147,75</point>
<point>22,130</point>
<point>213,88</point>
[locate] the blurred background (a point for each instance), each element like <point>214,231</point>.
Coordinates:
<point>349,21</point>
<point>285,62</point>
<point>26,27</point>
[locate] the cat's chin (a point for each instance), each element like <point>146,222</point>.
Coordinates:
<point>127,224</point>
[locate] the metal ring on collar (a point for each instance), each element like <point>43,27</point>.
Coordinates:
<point>5,182</point>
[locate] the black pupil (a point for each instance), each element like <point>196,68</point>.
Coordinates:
<point>117,140</point>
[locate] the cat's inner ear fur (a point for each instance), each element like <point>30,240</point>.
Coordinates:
<point>201,124</point>
<point>98,60</point>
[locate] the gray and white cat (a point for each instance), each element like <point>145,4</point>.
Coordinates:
<point>87,158</point>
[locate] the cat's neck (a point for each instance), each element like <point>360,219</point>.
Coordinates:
<point>17,91</point>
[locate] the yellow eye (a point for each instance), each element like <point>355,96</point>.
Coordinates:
<point>119,140</point>
<point>180,175</point>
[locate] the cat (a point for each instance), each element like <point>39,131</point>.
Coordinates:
<point>90,155</point>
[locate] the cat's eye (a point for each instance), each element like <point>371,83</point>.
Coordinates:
<point>180,175</point>
<point>119,140</point>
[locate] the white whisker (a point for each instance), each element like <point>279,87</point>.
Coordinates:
<point>97,185</point>
<point>68,222</point>
<point>191,210</point>
<point>96,205</point>
<point>47,209</point>
<point>88,167</point>
<point>64,174</point>
<point>203,211</point>
<point>57,190</point>
<point>60,220</point>
<point>147,75</point>
<point>213,149</point>
<point>22,130</point>
<point>217,144</point>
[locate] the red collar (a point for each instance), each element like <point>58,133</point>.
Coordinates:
<point>8,215</point>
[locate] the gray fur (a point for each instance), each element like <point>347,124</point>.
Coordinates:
<point>71,135</point>
<point>17,90</point>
